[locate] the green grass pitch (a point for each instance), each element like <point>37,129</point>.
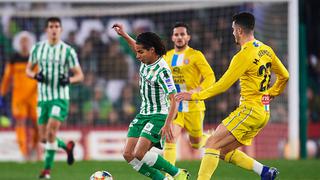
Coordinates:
<point>289,170</point>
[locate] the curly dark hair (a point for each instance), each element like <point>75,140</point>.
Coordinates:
<point>149,40</point>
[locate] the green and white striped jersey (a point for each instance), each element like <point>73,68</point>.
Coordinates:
<point>53,61</point>
<point>156,83</point>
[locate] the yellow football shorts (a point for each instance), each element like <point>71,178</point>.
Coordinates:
<point>191,121</point>
<point>245,122</point>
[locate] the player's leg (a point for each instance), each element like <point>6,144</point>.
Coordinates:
<point>151,135</point>
<point>51,144</point>
<point>170,146</point>
<point>194,126</point>
<point>220,138</point>
<point>245,131</point>
<point>154,160</point>
<point>32,111</point>
<point>134,132</point>
<point>19,113</point>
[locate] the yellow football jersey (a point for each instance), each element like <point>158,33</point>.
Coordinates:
<point>190,70</point>
<point>253,65</point>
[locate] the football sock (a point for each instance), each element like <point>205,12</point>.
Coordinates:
<point>146,170</point>
<point>204,139</point>
<point>241,159</point>
<point>61,144</point>
<point>21,133</point>
<point>170,152</point>
<point>50,153</point>
<point>209,164</point>
<point>154,160</point>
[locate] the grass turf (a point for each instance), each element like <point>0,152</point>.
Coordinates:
<point>297,170</point>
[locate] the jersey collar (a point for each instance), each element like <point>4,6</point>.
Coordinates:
<point>156,62</point>
<point>248,44</point>
<point>181,52</point>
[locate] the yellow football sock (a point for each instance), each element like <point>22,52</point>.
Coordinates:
<point>170,152</point>
<point>240,159</point>
<point>209,164</point>
<point>204,139</point>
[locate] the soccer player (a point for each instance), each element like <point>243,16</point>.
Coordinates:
<point>253,65</point>
<point>24,95</point>
<point>54,59</point>
<point>156,112</point>
<point>191,72</point>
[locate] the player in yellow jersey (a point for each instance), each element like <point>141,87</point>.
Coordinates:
<point>253,65</point>
<point>191,73</point>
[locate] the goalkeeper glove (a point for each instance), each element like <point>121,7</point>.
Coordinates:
<point>39,77</point>
<point>64,80</point>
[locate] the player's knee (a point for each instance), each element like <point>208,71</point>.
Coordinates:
<point>128,156</point>
<point>139,154</point>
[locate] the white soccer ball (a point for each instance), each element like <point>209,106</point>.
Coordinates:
<point>101,175</point>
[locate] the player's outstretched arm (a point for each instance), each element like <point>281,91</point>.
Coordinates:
<point>120,31</point>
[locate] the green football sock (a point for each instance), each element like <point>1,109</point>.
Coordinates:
<point>48,162</point>
<point>151,172</point>
<point>156,161</point>
<point>61,144</point>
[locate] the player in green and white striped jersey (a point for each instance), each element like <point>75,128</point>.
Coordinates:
<point>54,59</point>
<point>156,113</point>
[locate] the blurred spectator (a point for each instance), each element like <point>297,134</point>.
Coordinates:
<point>128,104</point>
<point>97,110</point>
<point>71,40</point>
<point>114,68</point>
<point>81,93</point>
<point>314,105</point>
<point>69,25</point>
<point>87,58</point>
<point>86,28</point>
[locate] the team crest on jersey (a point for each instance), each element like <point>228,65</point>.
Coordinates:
<point>186,61</point>
<point>256,44</point>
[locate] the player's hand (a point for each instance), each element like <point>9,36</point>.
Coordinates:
<point>166,131</point>
<point>39,77</point>
<point>183,96</point>
<point>64,80</point>
<point>119,29</point>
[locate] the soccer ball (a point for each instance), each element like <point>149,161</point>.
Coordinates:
<point>101,175</point>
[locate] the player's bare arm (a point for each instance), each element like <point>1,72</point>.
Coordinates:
<point>167,128</point>
<point>29,70</point>
<point>77,75</point>
<point>120,31</point>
